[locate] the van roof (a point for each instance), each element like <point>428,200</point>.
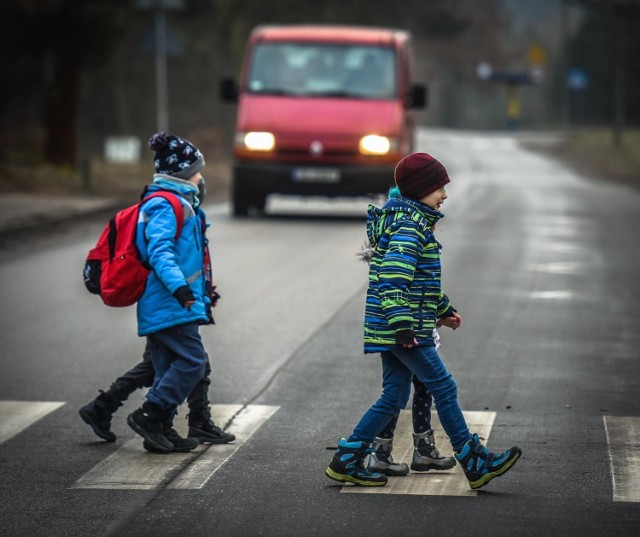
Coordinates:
<point>339,34</point>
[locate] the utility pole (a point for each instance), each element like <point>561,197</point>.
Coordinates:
<point>162,81</point>
<point>617,27</point>
<point>160,8</point>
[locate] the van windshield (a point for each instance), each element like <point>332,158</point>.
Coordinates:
<point>319,70</point>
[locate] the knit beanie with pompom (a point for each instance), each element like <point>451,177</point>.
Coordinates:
<point>175,156</point>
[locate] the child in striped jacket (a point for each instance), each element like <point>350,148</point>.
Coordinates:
<point>405,303</point>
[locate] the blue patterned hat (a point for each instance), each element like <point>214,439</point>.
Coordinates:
<point>175,156</point>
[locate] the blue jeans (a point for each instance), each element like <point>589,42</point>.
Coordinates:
<point>420,411</point>
<point>179,361</point>
<point>398,366</point>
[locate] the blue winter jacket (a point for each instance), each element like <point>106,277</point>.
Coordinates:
<point>173,263</point>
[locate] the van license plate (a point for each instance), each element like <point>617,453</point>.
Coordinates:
<point>316,175</point>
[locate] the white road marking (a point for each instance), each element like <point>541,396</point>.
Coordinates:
<point>244,425</point>
<point>559,267</point>
<point>433,483</point>
<point>16,416</point>
<point>131,467</point>
<point>623,440</point>
<point>552,295</point>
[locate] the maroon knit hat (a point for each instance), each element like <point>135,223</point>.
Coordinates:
<point>418,175</point>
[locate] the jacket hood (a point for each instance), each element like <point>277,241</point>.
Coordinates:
<point>380,219</point>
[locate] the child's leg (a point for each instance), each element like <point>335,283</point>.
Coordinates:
<point>425,454</point>
<point>98,413</point>
<point>201,424</point>
<point>389,429</point>
<point>347,464</point>
<point>396,387</point>
<point>179,359</point>
<point>198,398</point>
<point>421,407</point>
<point>381,458</point>
<point>428,367</point>
<point>479,464</point>
<point>139,376</point>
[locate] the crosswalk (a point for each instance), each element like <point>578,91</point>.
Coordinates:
<point>16,416</point>
<point>623,441</point>
<point>130,467</point>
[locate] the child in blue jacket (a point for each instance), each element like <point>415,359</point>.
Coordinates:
<point>177,297</point>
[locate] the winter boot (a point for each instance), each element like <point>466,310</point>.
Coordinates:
<point>180,445</point>
<point>382,461</point>
<point>347,465</point>
<point>97,414</point>
<point>149,422</point>
<point>426,456</point>
<point>202,428</point>
<point>481,465</point>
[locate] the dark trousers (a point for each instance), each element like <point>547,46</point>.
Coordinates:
<point>142,375</point>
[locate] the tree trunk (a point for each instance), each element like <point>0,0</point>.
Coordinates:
<point>60,114</point>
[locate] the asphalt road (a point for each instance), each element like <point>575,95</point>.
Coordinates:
<point>541,263</point>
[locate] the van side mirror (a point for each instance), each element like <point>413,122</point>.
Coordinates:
<point>228,90</point>
<point>418,97</point>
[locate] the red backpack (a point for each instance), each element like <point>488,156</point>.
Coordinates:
<point>113,268</point>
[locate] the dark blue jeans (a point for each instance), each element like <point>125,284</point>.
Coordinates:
<point>420,411</point>
<point>398,367</point>
<point>179,359</point>
<point>141,376</point>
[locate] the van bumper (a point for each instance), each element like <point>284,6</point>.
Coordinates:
<point>255,180</point>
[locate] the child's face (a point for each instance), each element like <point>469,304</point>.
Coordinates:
<point>435,199</point>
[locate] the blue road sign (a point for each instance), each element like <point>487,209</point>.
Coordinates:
<point>577,79</point>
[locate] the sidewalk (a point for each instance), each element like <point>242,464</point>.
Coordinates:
<point>20,212</point>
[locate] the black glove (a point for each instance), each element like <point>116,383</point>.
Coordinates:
<point>214,296</point>
<point>405,337</point>
<point>183,295</point>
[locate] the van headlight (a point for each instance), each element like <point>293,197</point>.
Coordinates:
<point>256,141</point>
<point>372,144</point>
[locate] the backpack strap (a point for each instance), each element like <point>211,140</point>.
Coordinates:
<point>178,209</point>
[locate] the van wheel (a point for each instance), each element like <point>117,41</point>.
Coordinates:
<point>240,207</point>
<point>259,202</point>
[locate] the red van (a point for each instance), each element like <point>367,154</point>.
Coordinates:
<point>322,110</point>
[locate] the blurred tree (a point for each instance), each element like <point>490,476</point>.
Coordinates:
<point>52,44</point>
<point>607,46</point>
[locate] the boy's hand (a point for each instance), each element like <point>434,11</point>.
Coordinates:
<point>411,345</point>
<point>215,296</point>
<point>406,339</point>
<point>452,321</point>
<point>184,295</point>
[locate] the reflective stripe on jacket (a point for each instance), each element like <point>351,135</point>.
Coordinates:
<point>173,263</point>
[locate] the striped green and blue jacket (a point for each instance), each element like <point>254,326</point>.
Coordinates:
<point>404,275</point>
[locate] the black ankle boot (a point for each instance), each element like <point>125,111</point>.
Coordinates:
<point>149,422</point>
<point>202,427</point>
<point>180,445</point>
<point>97,414</point>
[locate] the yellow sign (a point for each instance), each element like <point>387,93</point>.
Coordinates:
<point>536,55</point>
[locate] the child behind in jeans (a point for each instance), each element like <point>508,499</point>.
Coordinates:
<point>404,303</point>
